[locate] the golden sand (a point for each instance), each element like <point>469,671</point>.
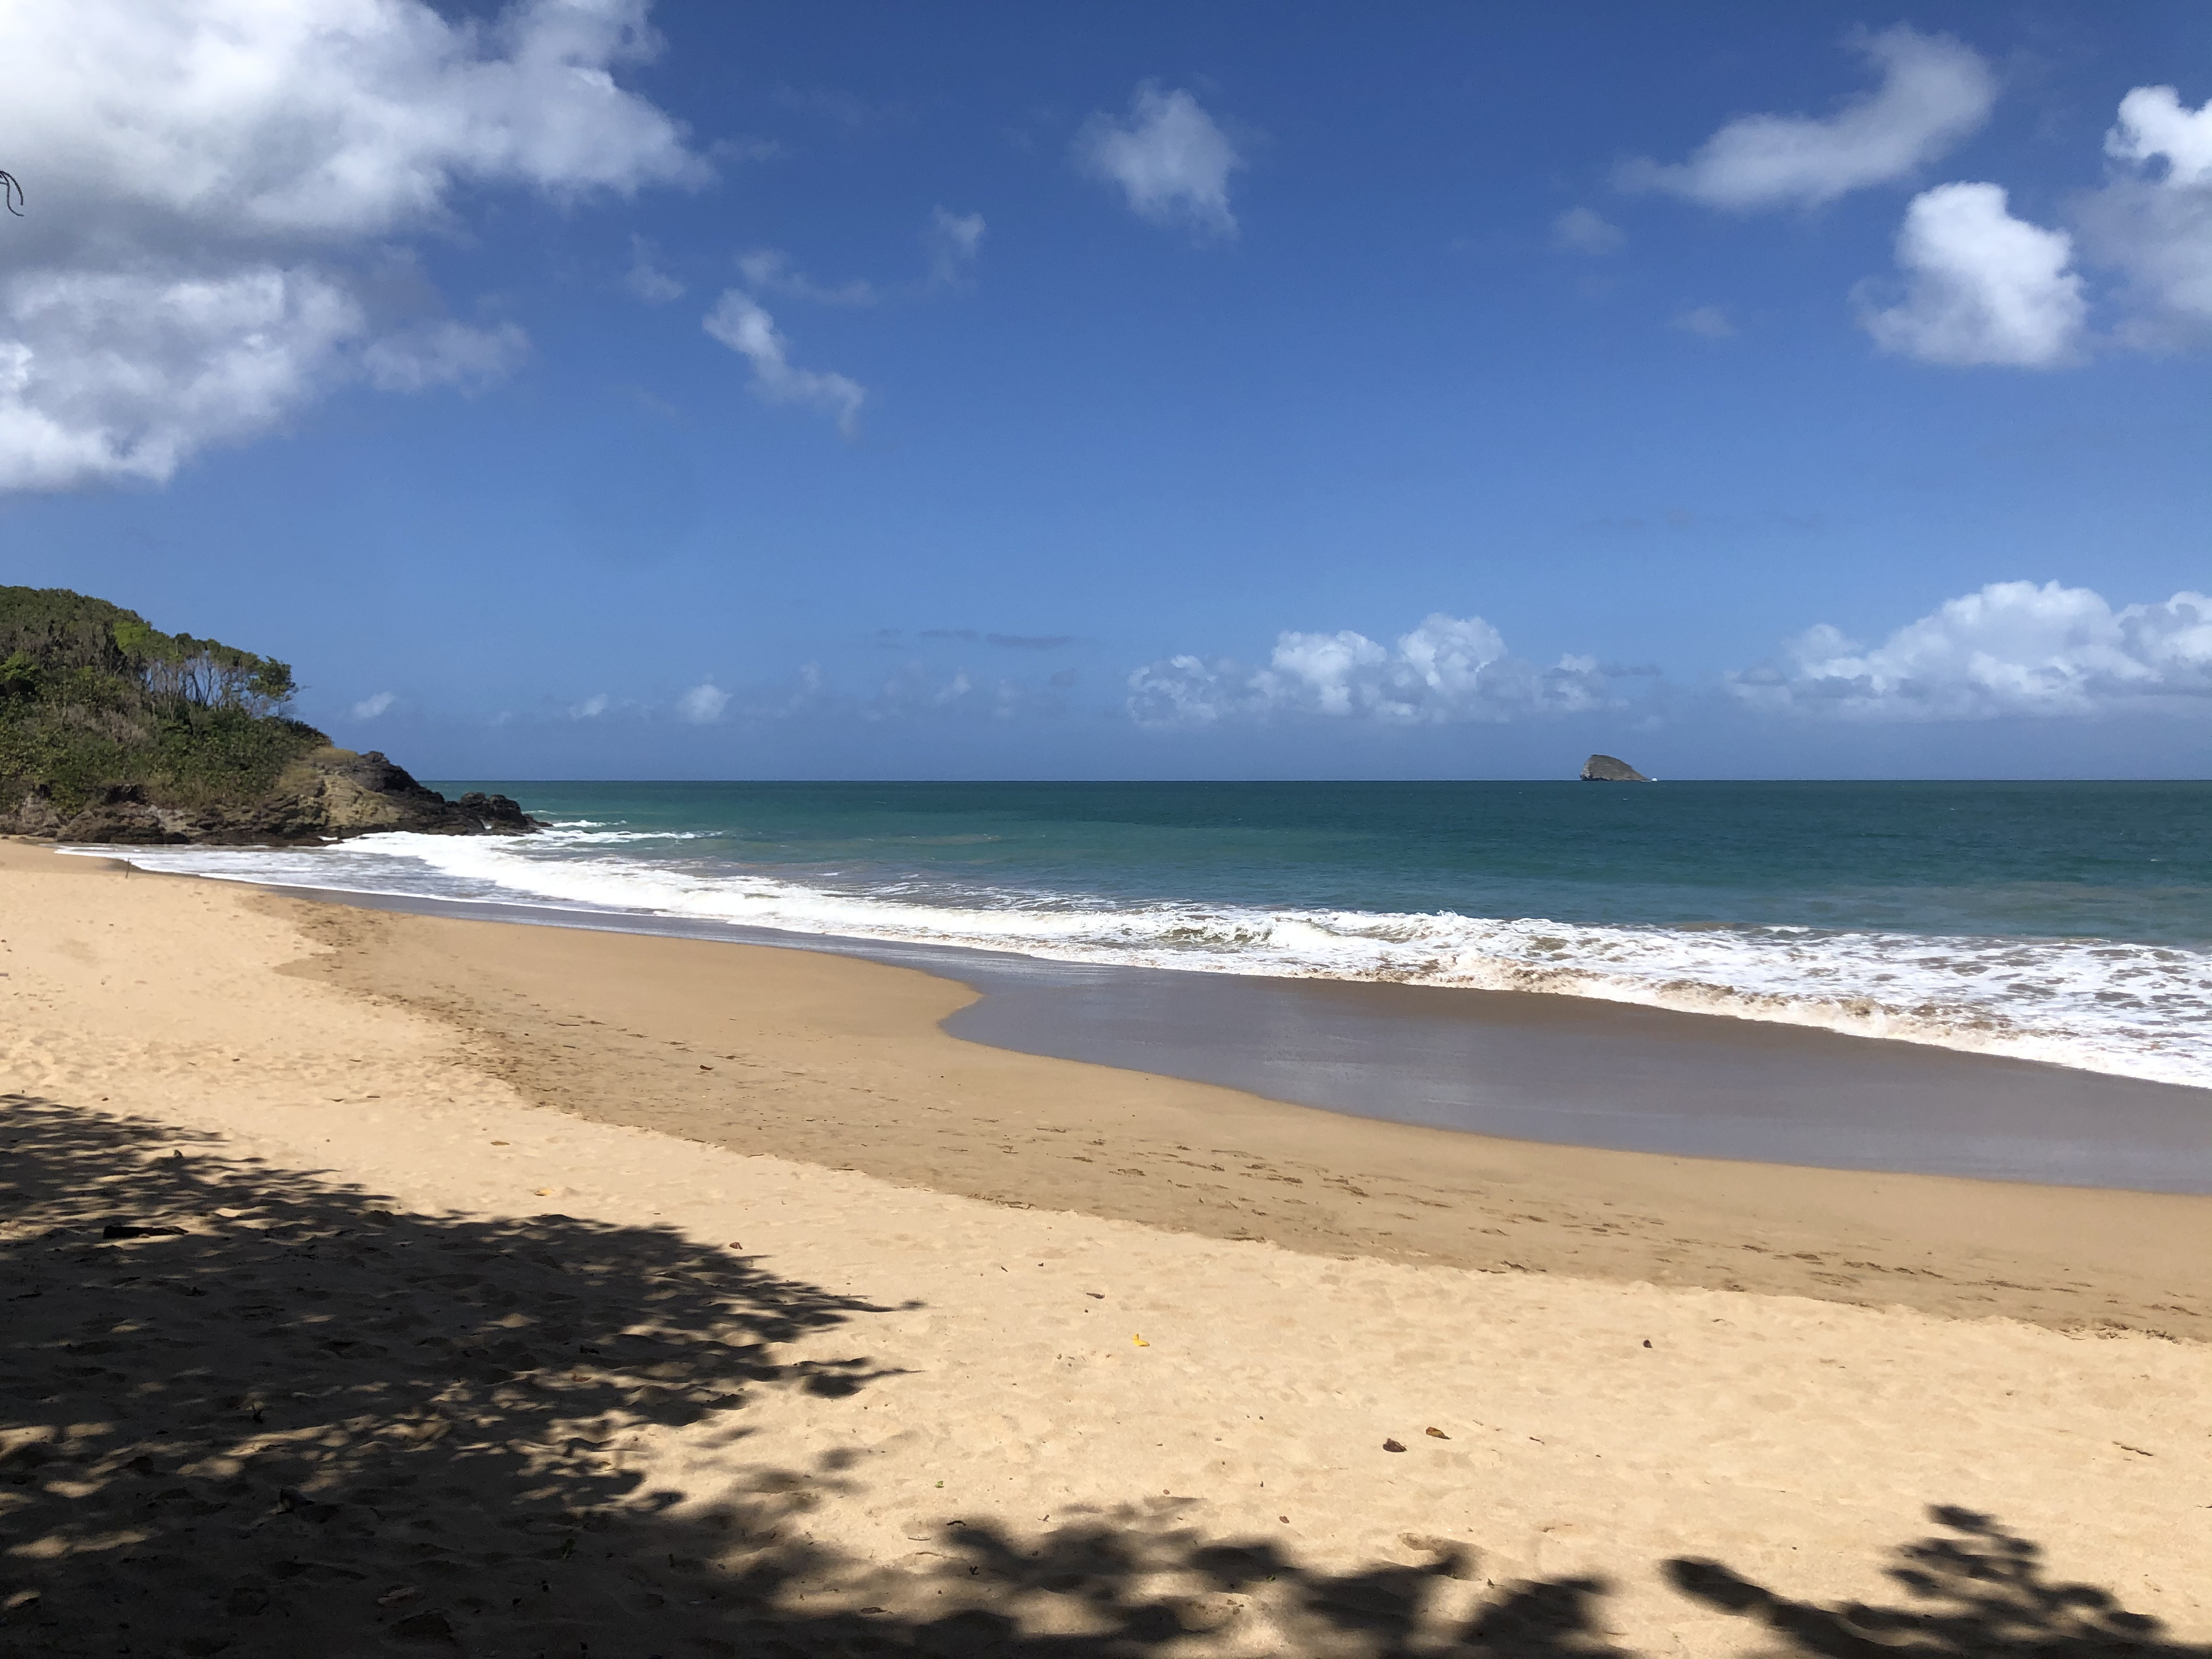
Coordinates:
<point>494,1290</point>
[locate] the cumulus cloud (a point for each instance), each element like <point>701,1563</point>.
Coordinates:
<point>1935,91</point>
<point>2013,648</point>
<point>111,375</point>
<point>1449,669</point>
<point>208,174</point>
<point>591,709</point>
<point>1980,286</point>
<point>1580,230</point>
<point>2154,221</point>
<point>1168,157</point>
<point>2154,125</point>
<point>738,322</point>
<point>702,705</point>
<point>370,707</point>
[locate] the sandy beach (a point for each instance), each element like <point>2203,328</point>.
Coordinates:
<point>385,1284</point>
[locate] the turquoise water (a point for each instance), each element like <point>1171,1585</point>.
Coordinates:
<point>2062,921</point>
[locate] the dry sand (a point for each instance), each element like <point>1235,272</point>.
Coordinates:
<point>429,1365</point>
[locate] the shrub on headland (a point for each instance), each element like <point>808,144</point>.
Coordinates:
<point>94,698</point>
<point>113,730</point>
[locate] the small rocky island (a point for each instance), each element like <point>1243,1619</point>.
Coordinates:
<point>1606,768</point>
<point>112,731</point>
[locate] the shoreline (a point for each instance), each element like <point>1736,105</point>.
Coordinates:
<point>1522,1066</point>
<point>847,1063</point>
<point>385,1282</point>
<point>2089,978</point>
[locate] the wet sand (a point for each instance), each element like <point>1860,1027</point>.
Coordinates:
<point>328,1335</point>
<point>830,1059</point>
<point>1571,1071</point>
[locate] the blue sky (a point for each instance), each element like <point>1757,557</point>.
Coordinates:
<point>582,389</point>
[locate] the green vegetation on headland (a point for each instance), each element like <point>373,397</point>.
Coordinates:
<point>110,729</point>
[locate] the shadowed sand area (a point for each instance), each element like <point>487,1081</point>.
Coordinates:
<point>323,1336</point>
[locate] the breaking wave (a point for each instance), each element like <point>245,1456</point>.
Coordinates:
<point>2134,1010</point>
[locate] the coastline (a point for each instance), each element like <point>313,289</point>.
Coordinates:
<point>616,1364</point>
<point>836,1060</point>
<point>1521,1065</point>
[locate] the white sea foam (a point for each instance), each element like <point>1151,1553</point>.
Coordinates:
<point>2134,1010</point>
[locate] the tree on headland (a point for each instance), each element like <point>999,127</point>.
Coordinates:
<point>93,698</point>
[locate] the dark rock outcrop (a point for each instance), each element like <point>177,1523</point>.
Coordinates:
<point>328,795</point>
<point>1606,768</point>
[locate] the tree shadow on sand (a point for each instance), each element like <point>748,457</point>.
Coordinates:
<point>1977,1589</point>
<point>250,1412</point>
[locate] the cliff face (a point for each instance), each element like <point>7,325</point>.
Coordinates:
<point>1606,768</point>
<point>327,795</point>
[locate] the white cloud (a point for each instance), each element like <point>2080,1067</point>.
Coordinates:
<point>1981,286</point>
<point>1580,230</point>
<point>738,322</point>
<point>1448,671</point>
<point>445,353</point>
<point>2155,224</point>
<point>646,279</point>
<point>702,705</point>
<point>1706,322</point>
<point>108,375</point>
<point>954,241</point>
<point>2013,648</point>
<point>950,242</point>
<point>1935,91</point>
<point>769,270</point>
<point>369,708</point>
<point>203,171</point>
<point>2155,125</point>
<point>1171,159</point>
<point>591,709</point>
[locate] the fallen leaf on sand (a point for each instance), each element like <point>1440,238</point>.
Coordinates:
<point>1392,1445</point>
<point>544,1192</point>
<point>1435,1434</point>
<point>1140,1341</point>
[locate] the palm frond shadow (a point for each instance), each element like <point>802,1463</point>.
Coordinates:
<point>1975,1589</point>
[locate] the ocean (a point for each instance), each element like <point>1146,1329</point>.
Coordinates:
<point>2069,923</point>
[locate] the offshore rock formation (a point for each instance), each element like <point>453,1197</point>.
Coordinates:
<point>1606,768</point>
<point>326,795</point>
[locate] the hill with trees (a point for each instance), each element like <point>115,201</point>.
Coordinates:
<point>113,731</point>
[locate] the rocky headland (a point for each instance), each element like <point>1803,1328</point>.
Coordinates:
<point>112,731</point>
